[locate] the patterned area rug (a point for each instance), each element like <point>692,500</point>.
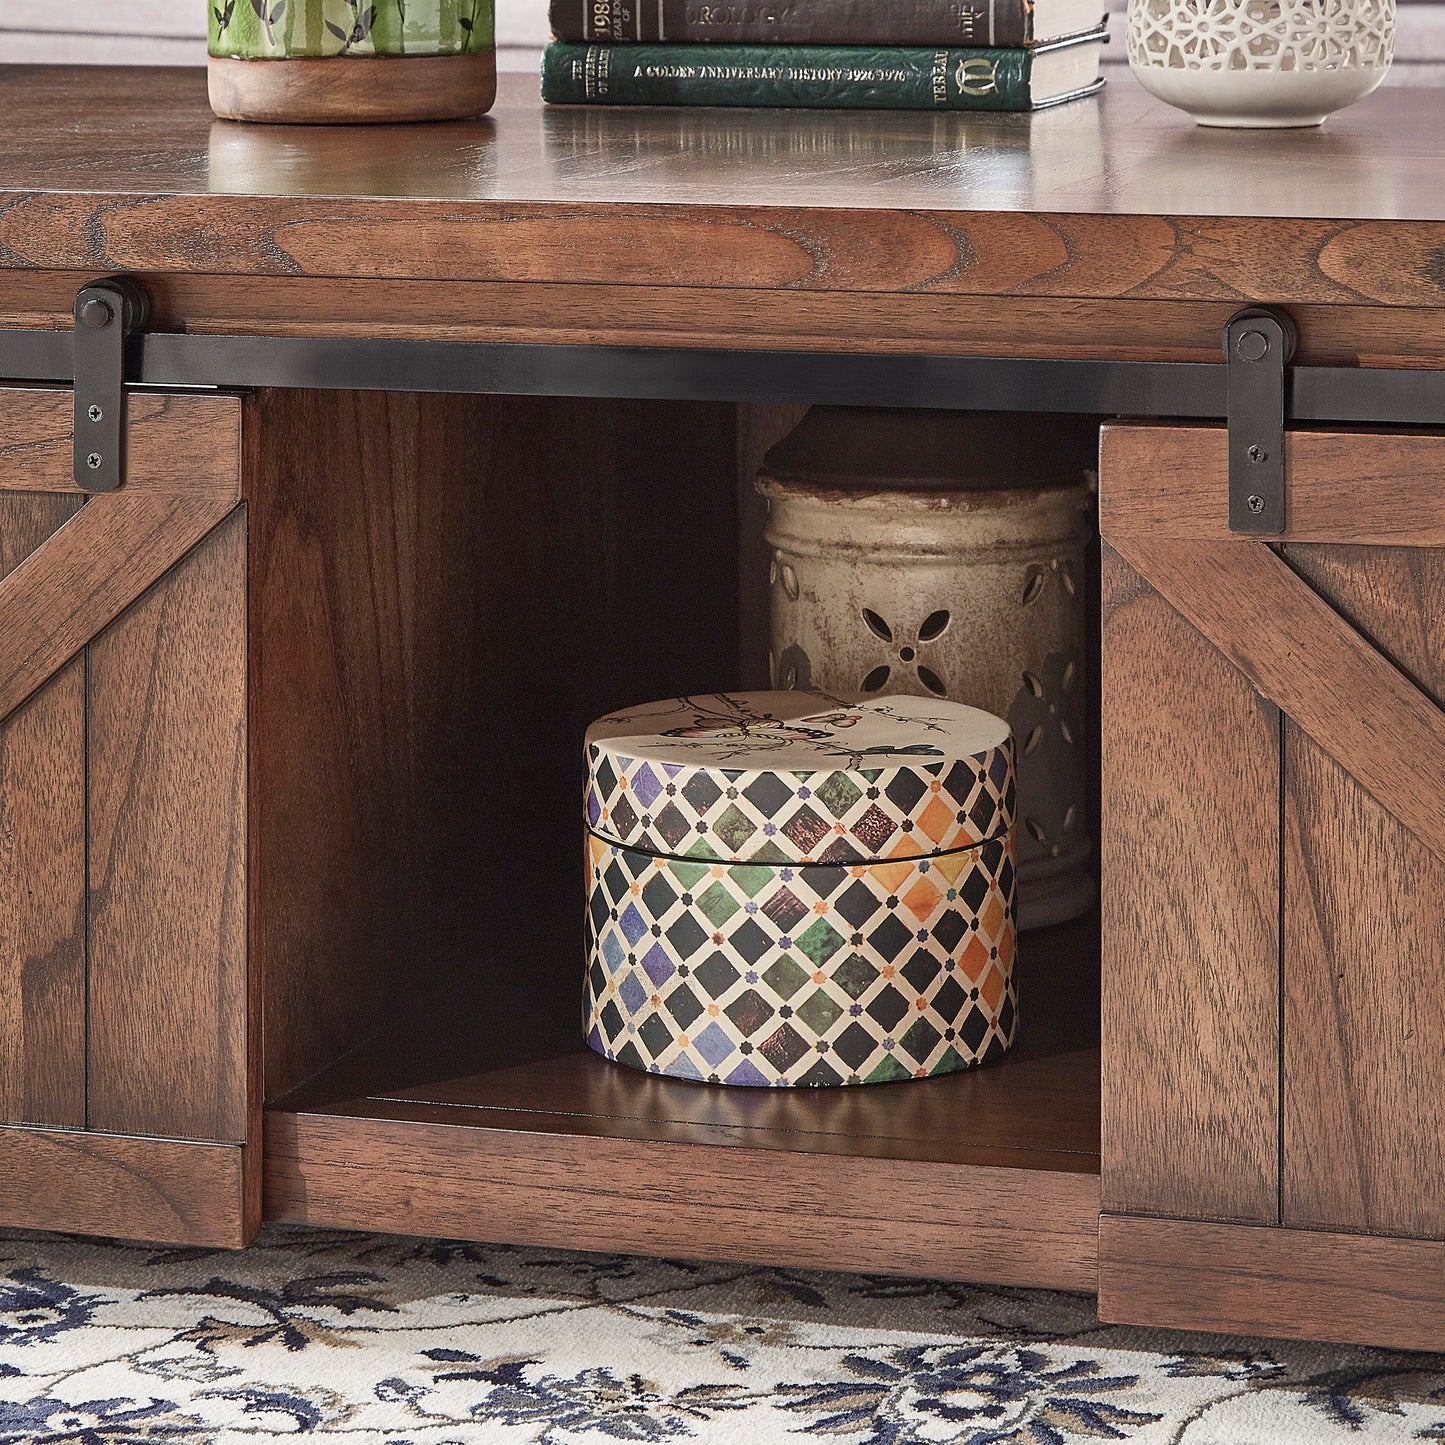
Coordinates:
<point>383,1341</point>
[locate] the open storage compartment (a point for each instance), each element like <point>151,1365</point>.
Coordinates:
<point>444,592</point>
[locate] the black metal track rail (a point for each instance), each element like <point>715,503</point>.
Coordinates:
<point>1113,388</point>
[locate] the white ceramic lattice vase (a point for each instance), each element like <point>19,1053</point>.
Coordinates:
<point>1261,62</point>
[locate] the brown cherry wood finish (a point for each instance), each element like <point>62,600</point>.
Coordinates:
<point>1100,200</point>
<point>1354,486</point>
<point>28,520</point>
<point>123,970</point>
<point>42,865</point>
<point>1342,640</point>
<point>420,571</point>
<point>359,90</point>
<point>171,1191</point>
<point>1293,647</point>
<point>1299,1283</point>
<point>444,591</point>
<point>95,566</point>
<point>1364,967</point>
<point>174,444</point>
<point>42,900</point>
<point>696,1200</point>
<point>1190,901</point>
<point>166,748</point>
<point>457,1121</point>
<point>744,318</point>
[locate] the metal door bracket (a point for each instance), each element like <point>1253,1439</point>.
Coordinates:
<point>106,312</point>
<point>1258,343</point>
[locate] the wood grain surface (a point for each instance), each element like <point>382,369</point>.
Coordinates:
<point>161,1190</point>
<point>1038,1114</point>
<point>1302,655</point>
<point>364,90</point>
<point>462,309</point>
<point>42,863</point>
<point>28,520</point>
<point>167,850</point>
<point>1099,199</point>
<point>445,591</point>
<point>42,902</point>
<point>1302,1284</point>
<point>1009,1226</point>
<point>173,443</point>
<point>1348,486</point>
<point>480,1116</point>
<point>460,1055</point>
<point>69,590</point>
<point>1364,960</point>
<point>1190,890</point>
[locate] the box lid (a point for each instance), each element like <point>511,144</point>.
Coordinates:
<point>799,777</point>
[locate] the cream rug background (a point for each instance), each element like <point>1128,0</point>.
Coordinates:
<point>382,1341</point>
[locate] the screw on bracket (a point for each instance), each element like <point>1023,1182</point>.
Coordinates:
<point>1258,344</point>
<point>106,312</point>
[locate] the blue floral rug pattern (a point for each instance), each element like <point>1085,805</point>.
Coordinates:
<point>381,1341</point>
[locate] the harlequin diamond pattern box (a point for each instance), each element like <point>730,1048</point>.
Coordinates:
<point>792,889</point>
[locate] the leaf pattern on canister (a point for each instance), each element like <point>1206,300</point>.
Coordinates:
<point>296,29</point>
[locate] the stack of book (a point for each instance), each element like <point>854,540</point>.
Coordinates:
<point>855,54</point>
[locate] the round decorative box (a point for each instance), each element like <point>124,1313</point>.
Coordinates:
<point>351,61</point>
<point>947,556</point>
<point>787,888</point>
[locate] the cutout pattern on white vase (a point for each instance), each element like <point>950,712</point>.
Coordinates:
<point>1262,34</point>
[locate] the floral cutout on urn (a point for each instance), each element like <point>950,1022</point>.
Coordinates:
<point>905,652</point>
<point>1036,579</point>
<point>1042,719</point>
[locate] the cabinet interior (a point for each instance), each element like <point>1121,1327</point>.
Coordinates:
<point>477,579</point>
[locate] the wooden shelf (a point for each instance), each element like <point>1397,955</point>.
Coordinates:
<point>991,1174</point>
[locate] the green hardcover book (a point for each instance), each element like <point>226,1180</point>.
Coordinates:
<point>826,77</point>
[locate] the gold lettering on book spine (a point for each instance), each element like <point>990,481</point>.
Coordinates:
<point>976,76</point>
<point>598,68</point>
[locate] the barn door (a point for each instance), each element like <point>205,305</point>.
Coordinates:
<point>1274,890</point>
<point>125,1093</point>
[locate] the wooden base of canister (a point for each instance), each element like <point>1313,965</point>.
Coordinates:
<point>347,90</point>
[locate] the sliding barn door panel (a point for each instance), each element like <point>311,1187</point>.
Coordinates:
<point>42,866</point>
<point>1364,962</point>
<point>1338,629</point>
<point>167,771</point>
<point>1191,912</point>
<point>42,903</point>
<point>128,1093</point>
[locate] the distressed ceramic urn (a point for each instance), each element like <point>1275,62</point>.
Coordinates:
<point>788,888</point>
<point>349,61</point>
<point>946,555</point>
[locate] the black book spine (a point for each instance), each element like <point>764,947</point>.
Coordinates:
<point>795,22</point>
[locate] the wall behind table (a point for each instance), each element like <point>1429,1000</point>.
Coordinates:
<point>170,32</point>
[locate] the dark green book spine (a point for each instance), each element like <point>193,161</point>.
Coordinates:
<point>824,77</point>
<point>794,22</point>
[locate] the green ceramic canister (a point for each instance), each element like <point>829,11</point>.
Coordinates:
<point>351,61</point>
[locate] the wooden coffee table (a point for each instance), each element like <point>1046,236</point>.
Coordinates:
<point>439,442</point>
